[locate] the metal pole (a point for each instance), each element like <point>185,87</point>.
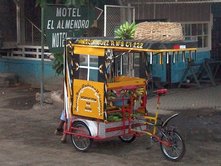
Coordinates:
<point>154,11</point>
<point>42,56</point>
<point>129,19</point>
<point>18,21</point>
<point>134,15</point>
<point>105,20</point>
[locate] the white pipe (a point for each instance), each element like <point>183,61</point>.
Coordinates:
<point>105,20</point>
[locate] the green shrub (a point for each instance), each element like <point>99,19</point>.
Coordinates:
<point>125,31</point>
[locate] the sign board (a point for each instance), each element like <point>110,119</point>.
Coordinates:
<point>88,99</point>
<point>62,21</point>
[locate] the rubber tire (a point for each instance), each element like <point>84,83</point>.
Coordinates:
<point>167,154</point>
<point>81,143</point>
<point>129,139</point>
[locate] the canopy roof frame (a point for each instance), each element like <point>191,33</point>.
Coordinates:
<point>140,2</point>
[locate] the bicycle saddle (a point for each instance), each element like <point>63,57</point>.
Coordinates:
<point>161,91</point>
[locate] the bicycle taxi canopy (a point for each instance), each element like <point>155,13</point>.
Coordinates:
<point>97,67</point>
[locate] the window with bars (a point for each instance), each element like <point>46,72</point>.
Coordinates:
<point>88,68</point>
<point>197,31</point>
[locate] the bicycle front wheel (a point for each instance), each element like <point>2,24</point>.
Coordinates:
<point>175,149</point>
<point>80,139</point>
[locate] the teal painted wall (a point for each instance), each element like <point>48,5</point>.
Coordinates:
<point>29,71</point>
<point>177,69</point>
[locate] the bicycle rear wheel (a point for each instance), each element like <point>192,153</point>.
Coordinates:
<point>127,138</point>
<point>176,150</point>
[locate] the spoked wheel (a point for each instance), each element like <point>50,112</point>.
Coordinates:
<point>80,138</point>
<point>176,150</point>
<point>127,138</point>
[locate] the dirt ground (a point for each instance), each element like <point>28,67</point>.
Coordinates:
<point>27,137</point>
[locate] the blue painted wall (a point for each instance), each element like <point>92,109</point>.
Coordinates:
<point>29,71</point>
<point>177,68</point>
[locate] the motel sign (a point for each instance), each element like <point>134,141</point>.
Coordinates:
<point>61,22</point>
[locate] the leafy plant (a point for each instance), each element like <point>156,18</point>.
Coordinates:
<point>58,63</point>
<point>76,2</point>
<point>125,31</point>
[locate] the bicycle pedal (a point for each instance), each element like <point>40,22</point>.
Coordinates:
<point>154,139</point>
<point>149,146</point>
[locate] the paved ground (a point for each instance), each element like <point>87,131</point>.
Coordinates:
<point>27,132</point>
<point>189,99</point>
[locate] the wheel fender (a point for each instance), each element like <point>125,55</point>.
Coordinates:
<point>92,126</point>
<point>168,119</point>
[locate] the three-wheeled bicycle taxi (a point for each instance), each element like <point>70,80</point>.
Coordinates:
<point>106,89</point>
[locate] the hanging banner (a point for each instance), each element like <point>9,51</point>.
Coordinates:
<point>61,22</point>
